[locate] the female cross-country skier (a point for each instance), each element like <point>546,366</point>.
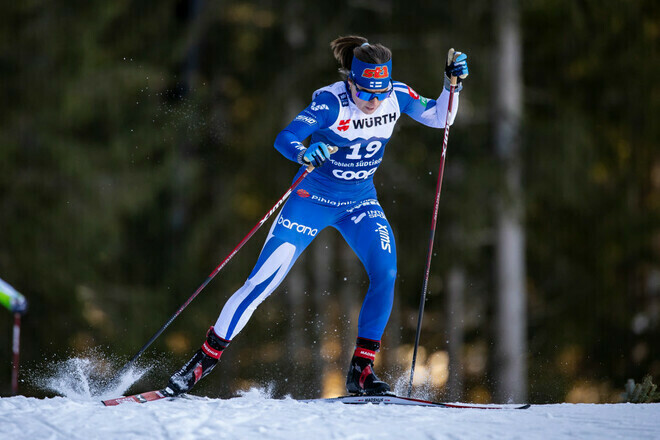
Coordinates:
<point>357,115</point>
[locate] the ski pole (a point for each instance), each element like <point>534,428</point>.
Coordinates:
<point>16,338</point>
<point>16,304</point>
<point>427,270</point>
<point>224,262</point>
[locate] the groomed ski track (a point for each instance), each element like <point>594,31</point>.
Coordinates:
<point>255,416</point>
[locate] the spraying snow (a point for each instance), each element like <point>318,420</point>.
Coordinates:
<point>88,377</point>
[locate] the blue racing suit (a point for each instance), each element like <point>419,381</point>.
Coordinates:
<point>340,194</point>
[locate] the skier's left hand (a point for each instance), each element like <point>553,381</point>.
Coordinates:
<point>456,66</point>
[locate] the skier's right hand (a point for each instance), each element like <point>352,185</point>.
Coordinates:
<point>316,154</point>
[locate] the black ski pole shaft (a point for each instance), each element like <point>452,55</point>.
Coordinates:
<point>427,270</point>
<point>216,270</point>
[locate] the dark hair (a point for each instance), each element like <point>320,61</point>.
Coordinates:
<point>344,48</point>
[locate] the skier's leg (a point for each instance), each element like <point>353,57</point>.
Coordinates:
<point>369,233</point>
<point>292,231</point>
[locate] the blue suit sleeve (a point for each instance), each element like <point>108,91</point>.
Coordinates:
<point>320,114</point>
<point>430,112</point>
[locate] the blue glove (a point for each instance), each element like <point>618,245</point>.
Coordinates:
<point>456,67</point>
<point>316,154</point>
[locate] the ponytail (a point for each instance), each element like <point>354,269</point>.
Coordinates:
<point>344,48</point>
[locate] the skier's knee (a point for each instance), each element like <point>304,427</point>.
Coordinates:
<point>385,277</point>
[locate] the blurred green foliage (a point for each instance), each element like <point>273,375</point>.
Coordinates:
<point>644,392</point>
<point>136,151</point>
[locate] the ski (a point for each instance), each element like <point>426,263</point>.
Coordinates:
<point>391,399</point>
<point>385,399</point>
<point>148,396</point>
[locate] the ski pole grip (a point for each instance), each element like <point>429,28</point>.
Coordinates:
<point>332,149</point>
<point>453,80</point>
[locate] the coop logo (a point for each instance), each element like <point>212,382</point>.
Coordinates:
<point>378,72</point>
<point>302,193</point>
<point>316,107</point>
<point>301,229</point>
<point>343,124</point>
<point>384,237</point>
<point>374,121</point>
<point>353,175</point>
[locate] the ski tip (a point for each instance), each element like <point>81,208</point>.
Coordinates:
<point>524,406</point>
<point>140,398</point>
<point>117,401</point>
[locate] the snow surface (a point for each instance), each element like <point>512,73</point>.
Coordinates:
<point>255,414</point>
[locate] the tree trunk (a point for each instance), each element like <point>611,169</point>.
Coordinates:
<point>349,301</point>
<point>510,356</point>
<point>455,309</point>
<point>178,215</point>
<point>322,271</point>
<point>296,343</point>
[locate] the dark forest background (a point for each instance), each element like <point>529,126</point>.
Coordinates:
<point>136,152</point>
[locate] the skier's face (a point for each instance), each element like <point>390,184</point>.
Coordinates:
<point>371,105</point>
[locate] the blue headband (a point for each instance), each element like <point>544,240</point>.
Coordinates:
<point>371,76</point>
